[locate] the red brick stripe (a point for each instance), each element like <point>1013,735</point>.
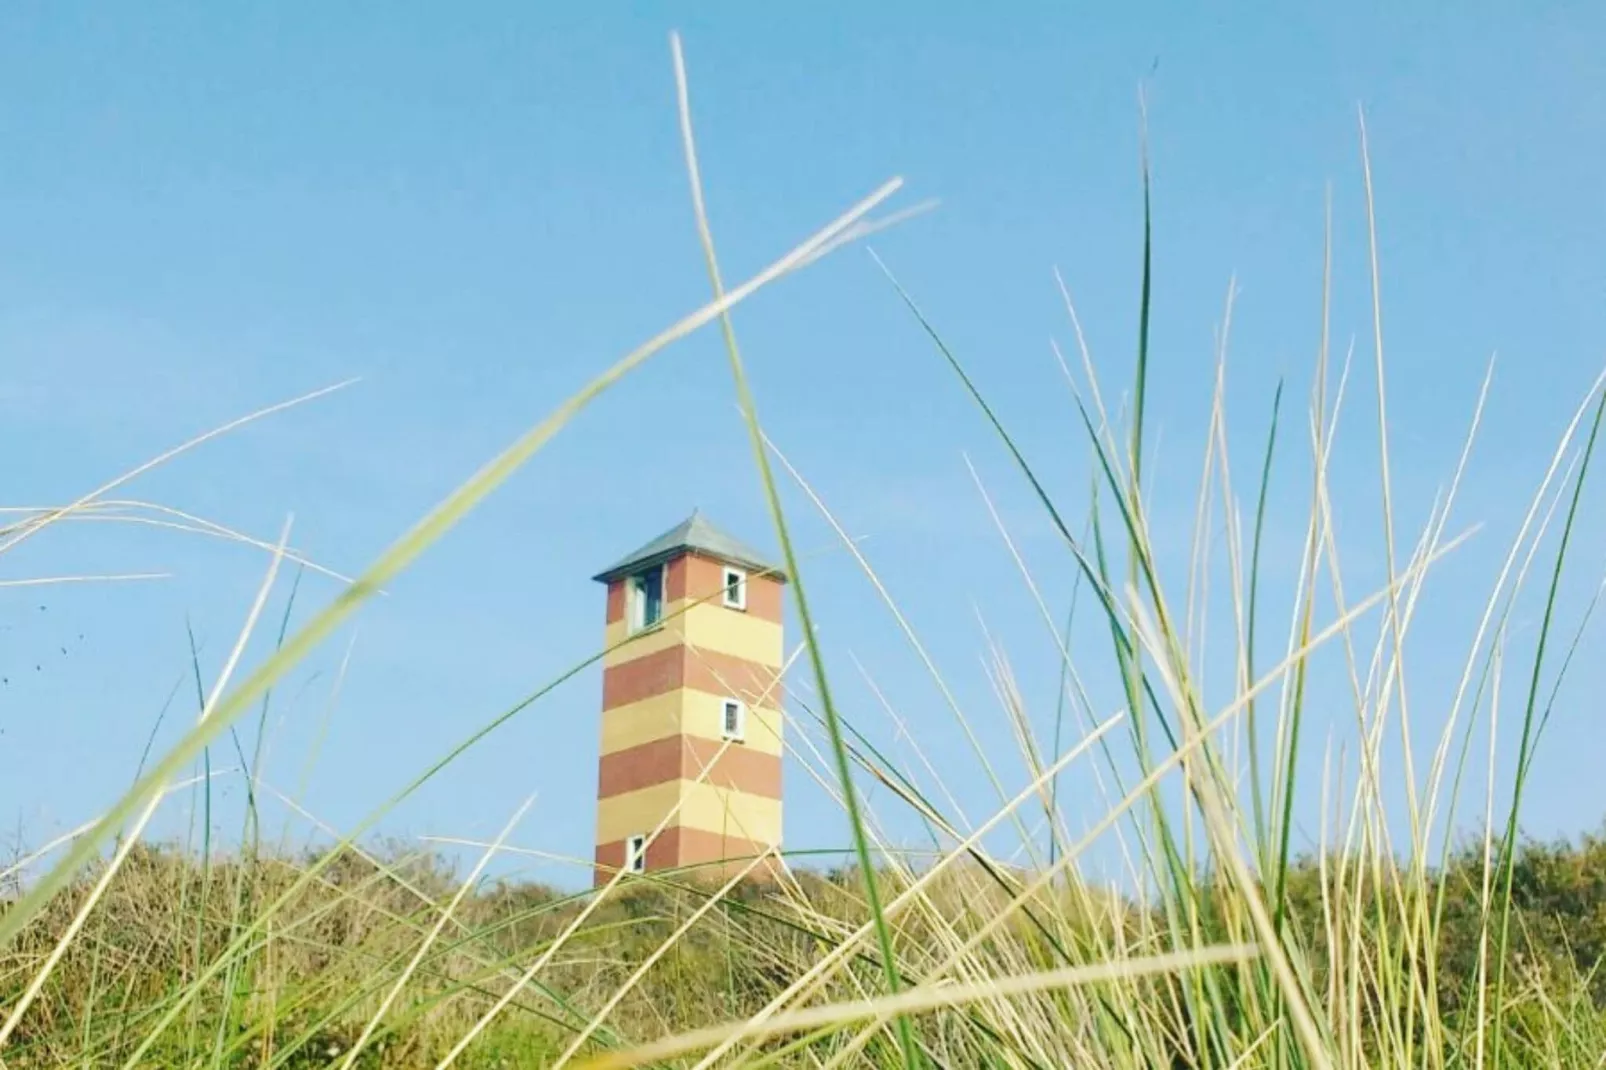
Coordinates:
<point>701,578</point>
<point>685,758</point>
<point>676,847</point>
<point>701,670</point>
<point>698,577</point>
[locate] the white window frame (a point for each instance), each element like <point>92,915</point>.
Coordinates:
<point>636,853</point>
<point>740,734</point>
<point>740,576</point>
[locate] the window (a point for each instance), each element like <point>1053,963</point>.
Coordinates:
<point>646,598</point>
<point>636,854</point>
<point>733,721</point>
<point>735,588</point>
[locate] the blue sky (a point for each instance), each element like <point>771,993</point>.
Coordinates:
<point>203,212</point>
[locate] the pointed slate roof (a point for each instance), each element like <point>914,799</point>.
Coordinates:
<point>693,535</point>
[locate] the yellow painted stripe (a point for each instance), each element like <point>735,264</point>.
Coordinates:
<point>702,625</point>
<point>734,813</point>
<point>685,712</point>
<point>641,722</point>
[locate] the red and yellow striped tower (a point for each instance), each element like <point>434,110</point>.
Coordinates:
<point>691,721</point>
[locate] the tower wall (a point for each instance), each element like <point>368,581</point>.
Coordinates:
<point>662,751</point>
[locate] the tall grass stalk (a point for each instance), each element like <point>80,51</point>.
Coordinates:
<point>777,516</point>
<point>1530,713</point>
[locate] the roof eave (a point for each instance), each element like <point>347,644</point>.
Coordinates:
<point>630,568</point>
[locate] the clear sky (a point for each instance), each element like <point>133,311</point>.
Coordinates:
<point>204,210</point>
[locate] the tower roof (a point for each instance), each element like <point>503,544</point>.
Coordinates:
<point>693,535</point>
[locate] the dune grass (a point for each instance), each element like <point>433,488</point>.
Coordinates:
<point>1226,949</point>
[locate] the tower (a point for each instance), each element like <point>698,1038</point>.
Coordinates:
<point>691,700</point>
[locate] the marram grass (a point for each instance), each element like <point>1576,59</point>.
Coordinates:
<point>1221,948</point>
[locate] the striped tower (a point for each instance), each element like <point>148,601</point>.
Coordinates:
<point>691,722</point>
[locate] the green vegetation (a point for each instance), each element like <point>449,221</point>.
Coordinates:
<point>1232,950</point>
<point>310,983</point>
